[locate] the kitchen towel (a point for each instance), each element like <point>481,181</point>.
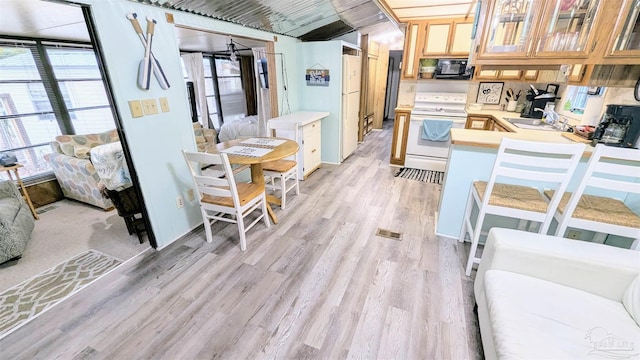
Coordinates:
<point>436,130</point>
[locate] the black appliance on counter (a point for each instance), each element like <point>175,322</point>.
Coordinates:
<point>453,69</point>
<point>619,126</point>
<point>536,101</point>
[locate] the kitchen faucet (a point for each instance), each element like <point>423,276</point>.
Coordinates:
<point>551,115</point>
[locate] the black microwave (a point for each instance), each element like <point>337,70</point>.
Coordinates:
<point>453,69</point>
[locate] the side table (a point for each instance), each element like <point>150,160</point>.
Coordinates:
<point>15,168</point>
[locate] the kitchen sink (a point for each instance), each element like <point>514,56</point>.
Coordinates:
<point>531,124</point>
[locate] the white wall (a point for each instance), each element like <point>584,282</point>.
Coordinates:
<point>156,141</point>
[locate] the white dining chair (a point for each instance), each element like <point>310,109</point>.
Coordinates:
<point>521,172</point>
<point>282,174</point>
<point>598,203</point>
<point>222,199</point>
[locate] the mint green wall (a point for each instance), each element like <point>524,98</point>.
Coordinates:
<point>156,141</point>
<point>323,55</point>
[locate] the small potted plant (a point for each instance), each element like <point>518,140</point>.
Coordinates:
<point>427,68</point>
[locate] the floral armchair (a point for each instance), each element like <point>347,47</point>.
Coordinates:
<point>72,166</point>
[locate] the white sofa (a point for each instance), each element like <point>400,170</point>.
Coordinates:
<point>545,297</point>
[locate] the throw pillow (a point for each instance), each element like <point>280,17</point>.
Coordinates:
<point>81,152</point>
<point>631,299</point>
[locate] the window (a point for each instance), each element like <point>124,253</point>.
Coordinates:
<point>224,79</point>
<point>578,97</point>
<point>210,92</point>
<point>232,97</point>
<point>82,88</point>
<point>29,121</point>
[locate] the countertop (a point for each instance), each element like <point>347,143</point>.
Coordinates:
<point>491,139</point>
<point>301,117</point>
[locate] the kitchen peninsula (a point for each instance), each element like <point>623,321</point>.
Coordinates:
<point>471,157</point>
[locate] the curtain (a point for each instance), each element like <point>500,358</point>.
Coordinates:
<point>195,70</point>
<point>262,94</point>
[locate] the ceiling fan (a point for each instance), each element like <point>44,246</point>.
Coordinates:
<point>232,50</point>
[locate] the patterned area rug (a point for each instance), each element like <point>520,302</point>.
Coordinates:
<point>430,176</point>
<point>30,298</point>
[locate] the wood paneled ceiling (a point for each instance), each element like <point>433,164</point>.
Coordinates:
<point>426,9</point>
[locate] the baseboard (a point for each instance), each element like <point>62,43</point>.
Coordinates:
<point>188,232</point>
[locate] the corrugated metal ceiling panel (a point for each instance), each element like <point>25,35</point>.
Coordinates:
<point>289,17</point>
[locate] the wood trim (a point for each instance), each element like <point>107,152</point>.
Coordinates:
<point>363,86</point>
<point>273,78</point>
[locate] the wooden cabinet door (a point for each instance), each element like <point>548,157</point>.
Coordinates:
<point>477,122</point>
<point>509,29</point>
<point>436,40</point>
<point>311,139</point>
<point>400,133</point>
<point>577,73</point>
<point>566,28</point>
<point>481,74</point>
<point>625,40</point>
<point>510,75</point>
<point>531,75</point>
<point>409,57</point>
<point>461,39</point>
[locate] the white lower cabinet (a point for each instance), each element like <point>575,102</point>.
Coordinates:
<point>309,137</point>
<point>311,142</point>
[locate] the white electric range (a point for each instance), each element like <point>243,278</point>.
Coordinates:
<point>427,154</point>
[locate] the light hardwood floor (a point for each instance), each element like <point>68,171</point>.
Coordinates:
<point>319,285</point>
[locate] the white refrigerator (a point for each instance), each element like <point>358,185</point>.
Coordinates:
<point>351,71</point>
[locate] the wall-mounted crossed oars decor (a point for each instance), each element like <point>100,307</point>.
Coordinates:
<point>149,63</point>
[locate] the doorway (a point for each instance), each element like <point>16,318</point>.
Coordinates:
<point>393,84</point>
<point>58,87</point>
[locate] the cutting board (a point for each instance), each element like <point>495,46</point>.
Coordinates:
<point>576,138</point>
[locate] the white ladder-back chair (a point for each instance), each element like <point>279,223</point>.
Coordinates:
<point>610,169</point>
<point>515,186</point>
<point>283,174</point>
<point>222,199</point>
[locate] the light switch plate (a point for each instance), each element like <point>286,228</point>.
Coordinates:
<point>150,106</point>
<point>164,104</point>
<point>136,108</point>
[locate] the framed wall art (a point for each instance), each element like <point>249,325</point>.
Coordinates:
<point>490,92</point>
<point>552,88</point>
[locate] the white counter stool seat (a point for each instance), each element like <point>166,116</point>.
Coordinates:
<point>612,169</point>
<point>521,172</point>
<point>282,174</point>
<point>222,199</point>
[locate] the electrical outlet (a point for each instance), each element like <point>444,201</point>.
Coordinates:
<point>136,108</point>
<point>150,106</point>
<point>190,195</point>
<point>180,202</point>
<point>573,234</point>
<point>164,104</point>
